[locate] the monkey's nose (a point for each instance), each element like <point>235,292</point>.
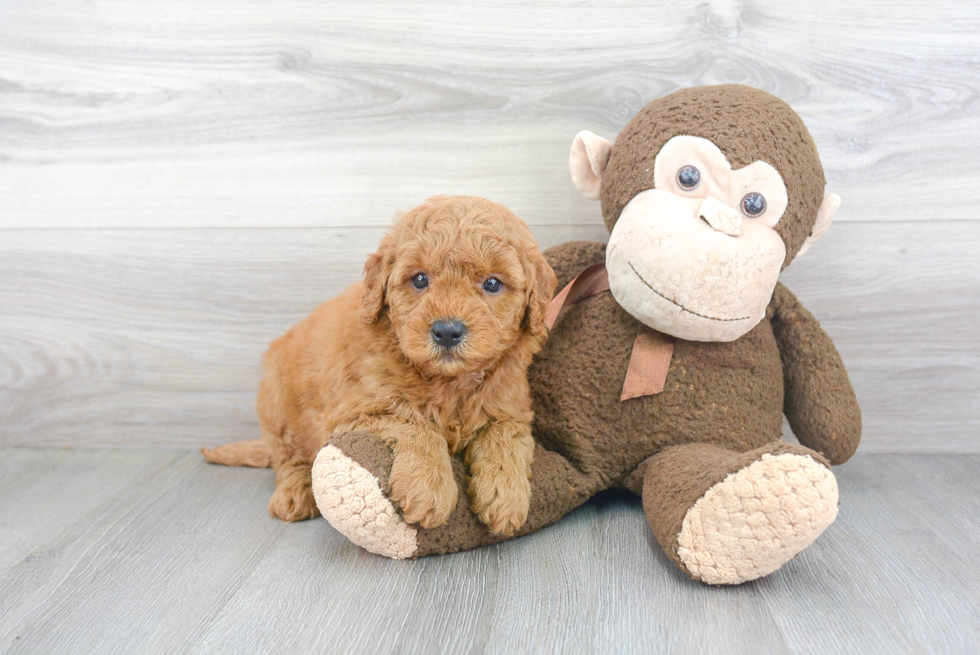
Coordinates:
<point>720,216</point>
<point>448,333</point>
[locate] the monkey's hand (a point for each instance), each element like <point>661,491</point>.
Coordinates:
<point>819,400</point>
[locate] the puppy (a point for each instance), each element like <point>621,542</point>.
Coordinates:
<point>429,352</point>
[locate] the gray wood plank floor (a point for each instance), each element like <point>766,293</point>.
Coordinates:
<point>107,551</point>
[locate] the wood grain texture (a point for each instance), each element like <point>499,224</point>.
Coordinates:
<point>118,114</point>
<point>181,557</point>
<point>137,556</point>
<point>180,183</point>
<point>42,496</point>
<point>154,336</point>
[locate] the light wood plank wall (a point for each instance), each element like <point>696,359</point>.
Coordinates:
<point>181,181</point>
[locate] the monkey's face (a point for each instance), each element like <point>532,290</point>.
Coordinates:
<point>697,256</point>
<point>708,194</point>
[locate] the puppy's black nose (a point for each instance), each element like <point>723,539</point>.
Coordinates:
<point>448,333</point>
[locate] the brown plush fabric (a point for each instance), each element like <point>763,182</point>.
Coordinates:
<point>730,394</point>
<point>678,477</point>
<point>747,124</point>
<point>820,402</point>
<point>370,452</point>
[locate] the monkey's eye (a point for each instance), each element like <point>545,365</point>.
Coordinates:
<point>689,178</point>
<point>753,204</point>
<point>420,281</point>
<point>492,285</point>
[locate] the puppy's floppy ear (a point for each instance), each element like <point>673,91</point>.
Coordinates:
<point>541,283</point>
<point>377,270</point>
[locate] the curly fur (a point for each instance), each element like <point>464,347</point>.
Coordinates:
<point>366,361</point>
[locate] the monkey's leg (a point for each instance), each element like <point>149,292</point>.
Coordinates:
<point>351,483</point>
<point>725,517</point>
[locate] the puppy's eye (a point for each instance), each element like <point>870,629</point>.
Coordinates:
<point>753,204</point>
<point>492,285</point>
<point>689,178</point>
<point>420,281</point>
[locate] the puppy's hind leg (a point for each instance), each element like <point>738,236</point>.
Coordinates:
<point>293,498</point>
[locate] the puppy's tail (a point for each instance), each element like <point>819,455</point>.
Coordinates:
<point>254,452</point>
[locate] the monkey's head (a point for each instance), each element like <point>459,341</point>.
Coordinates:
<point>708,193</point>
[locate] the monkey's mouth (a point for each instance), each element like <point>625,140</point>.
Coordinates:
<point>682,307</point>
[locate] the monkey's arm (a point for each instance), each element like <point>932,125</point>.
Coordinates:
<point>819,400</point>
<point>571,258</point>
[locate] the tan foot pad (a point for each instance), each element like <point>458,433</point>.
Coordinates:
<point>350,497</point>
<point>757,519</point>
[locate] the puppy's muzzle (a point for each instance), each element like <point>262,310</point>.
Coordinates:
<point>447,334</point>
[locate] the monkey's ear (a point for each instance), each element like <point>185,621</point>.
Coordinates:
<point>825,216</point>
<point>587,161</point>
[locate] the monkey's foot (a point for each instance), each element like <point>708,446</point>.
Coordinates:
<point>757,519</point>
<point>352,499</point>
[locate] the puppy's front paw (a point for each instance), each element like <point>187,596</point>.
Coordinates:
<point>426,492</point>
<point>500,500</point>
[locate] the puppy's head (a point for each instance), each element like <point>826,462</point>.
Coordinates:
<point>462,281</point>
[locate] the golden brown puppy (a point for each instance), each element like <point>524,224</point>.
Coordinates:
<point>430,352</point>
